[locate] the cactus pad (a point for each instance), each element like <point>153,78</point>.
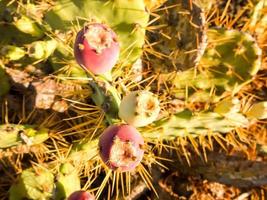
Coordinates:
<point>232,57</point>
<point>186,123</point>
<point>181,39</point>
<point>13,134</point>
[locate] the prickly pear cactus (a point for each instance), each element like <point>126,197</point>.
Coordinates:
<point>97,96</point>
<point>231,56</point>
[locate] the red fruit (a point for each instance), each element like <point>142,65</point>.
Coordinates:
<point>96,48</point>
<point>121,147</point>
<point>81,195</point>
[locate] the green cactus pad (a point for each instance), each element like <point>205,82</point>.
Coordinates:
<point>33,184</point>
<point>84,151</point>
<point>13,134</point>
<point>181,39</point>
<point>232,56</point>
<point>186,123</point>
<point>222,68</point>
<point>153,4</point>
<point>127,18</point>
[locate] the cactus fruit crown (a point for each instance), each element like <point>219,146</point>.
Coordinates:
<point>123,152</point>
<point>121,147</point>
<point>98,37</point>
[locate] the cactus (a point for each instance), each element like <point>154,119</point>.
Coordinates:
<point>234,58</point>
<point>230,62</point>
<point>181,39</point>
<point>174,83</point>
<point>28,26</point>
<point>153,4</point>
<point>204,4</point>
<point>257,111</point>
<point>186,123</point>
<point>41,50</point>
<point>12,53</point>
<point>12,135</point>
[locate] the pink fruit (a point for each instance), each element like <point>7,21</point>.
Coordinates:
<point>81,195</point>
<point>96,48</point>
<point>121,147</point>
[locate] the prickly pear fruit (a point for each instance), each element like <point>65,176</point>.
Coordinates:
<point>139,108</point>
<point>121,147</point>
<point>96,48</point>
<point>81,195</point>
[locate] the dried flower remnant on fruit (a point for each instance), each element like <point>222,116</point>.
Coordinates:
<point>123,153</point>
<point>121,147</point>
<point>99,38</point>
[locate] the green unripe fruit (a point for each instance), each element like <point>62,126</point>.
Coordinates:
<point>12,53</point>
<point>33,184</point>
<point>41,50</point>
<point>139,108</point>
<point>28,26</point>
<point>68,181</point>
